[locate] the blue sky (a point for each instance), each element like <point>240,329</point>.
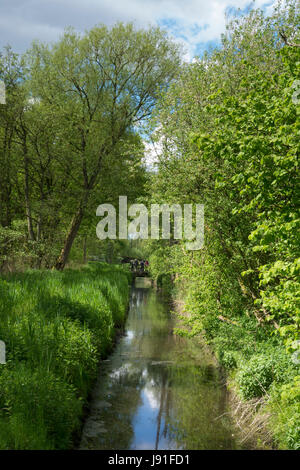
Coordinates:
<point>196,24</point>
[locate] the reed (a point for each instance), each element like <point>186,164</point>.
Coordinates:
<point>56,327</point>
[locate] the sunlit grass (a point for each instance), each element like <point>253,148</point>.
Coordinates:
<point>55,326</point>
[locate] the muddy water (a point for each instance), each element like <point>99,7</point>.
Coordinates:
<point>157,390</point>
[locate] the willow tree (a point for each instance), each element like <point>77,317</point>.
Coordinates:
<point>99,86</point>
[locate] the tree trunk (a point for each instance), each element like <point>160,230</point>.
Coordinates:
<point>73,230</point>
<point>76,221</point>
<point>84,249</point>
<point>27,194</point>
<point>5,181</point>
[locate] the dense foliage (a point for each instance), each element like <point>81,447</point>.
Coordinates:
<point>68,134</point>
<point>227,126</point>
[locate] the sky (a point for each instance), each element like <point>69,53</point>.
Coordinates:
<point>197,24</point>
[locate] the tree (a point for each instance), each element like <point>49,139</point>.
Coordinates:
<point>98,87</point>
<point>11,73</point>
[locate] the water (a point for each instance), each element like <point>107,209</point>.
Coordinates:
<point>157,390</point>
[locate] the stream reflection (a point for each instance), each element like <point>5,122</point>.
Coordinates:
<point>157,390</point>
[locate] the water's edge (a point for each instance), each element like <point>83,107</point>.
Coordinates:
<point>118,334</point>
<point>157,390</point>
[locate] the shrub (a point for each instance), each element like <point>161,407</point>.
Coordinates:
<point>256,376</point>
<point>227,359</point>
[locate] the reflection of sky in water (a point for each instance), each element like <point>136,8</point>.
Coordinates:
<point>129,336</point>
<point>145,423</point>
<point>117,373</point>
<point>152,400</point>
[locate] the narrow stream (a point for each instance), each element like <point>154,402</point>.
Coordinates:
<point>157,390</point>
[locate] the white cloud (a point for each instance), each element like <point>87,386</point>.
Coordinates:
<point>191,21</point>
<point>152,152</point>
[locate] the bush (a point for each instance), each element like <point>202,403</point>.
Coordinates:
<point>227,359</point>
<point>256,376</point>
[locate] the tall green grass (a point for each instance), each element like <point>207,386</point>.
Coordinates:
<point>56,326</point>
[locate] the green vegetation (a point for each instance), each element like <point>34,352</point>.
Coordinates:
<point>229,132</point>
<point>71,138</point>
<point>69,142</point>
<point>56,326</point>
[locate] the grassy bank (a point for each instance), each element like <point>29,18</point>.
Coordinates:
<point>263,378</point>
<point>56,327</point>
